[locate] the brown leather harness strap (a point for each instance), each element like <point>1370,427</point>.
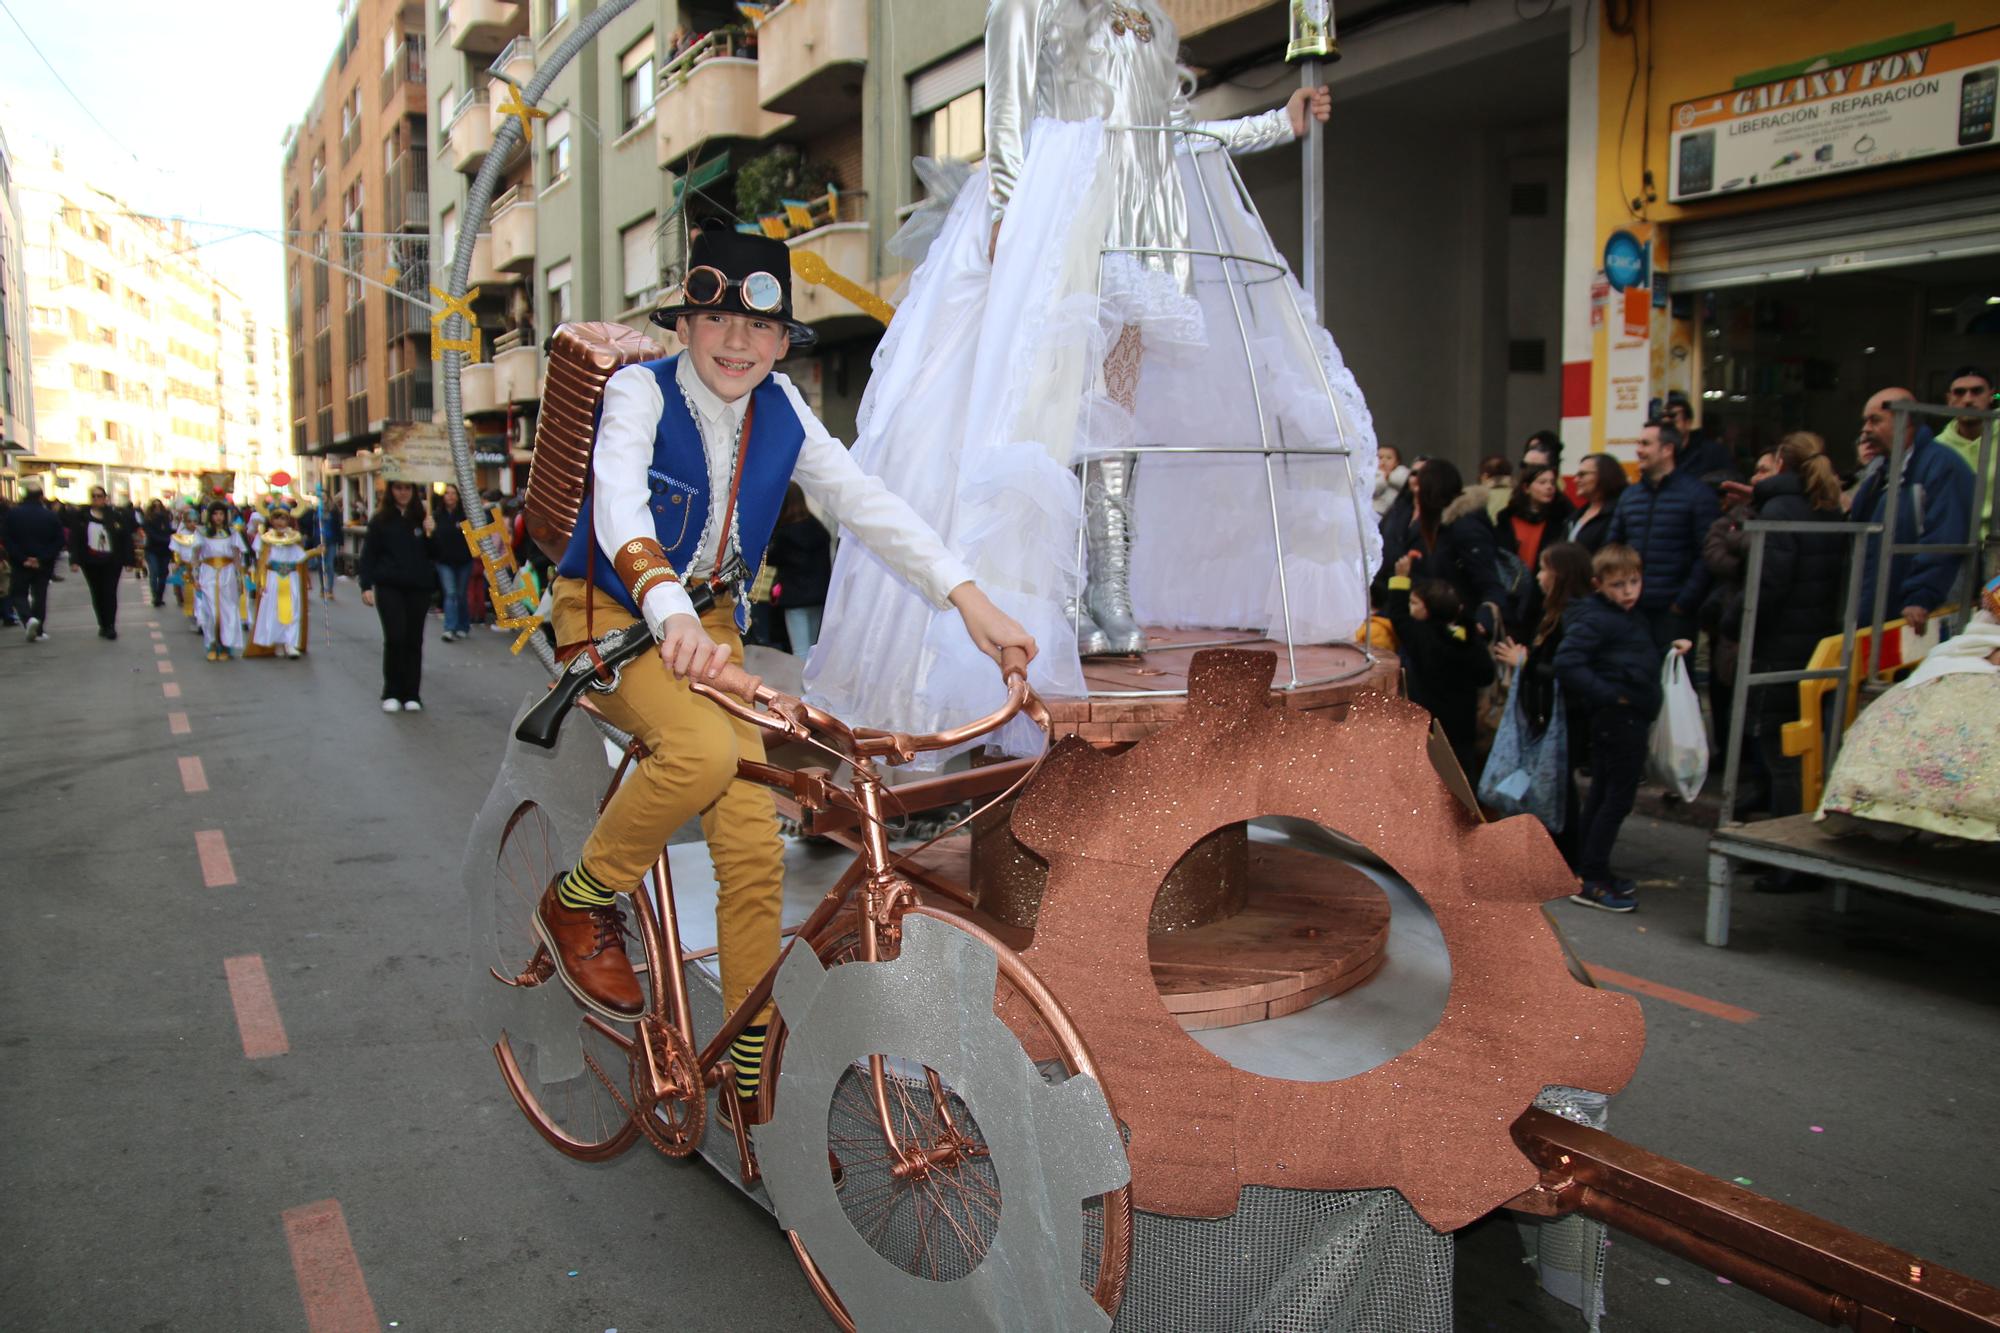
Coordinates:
<point>588,644</point>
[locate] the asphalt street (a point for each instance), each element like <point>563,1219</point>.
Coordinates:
<point>294,896</point>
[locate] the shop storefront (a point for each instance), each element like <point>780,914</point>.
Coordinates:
<point>1783,223</point>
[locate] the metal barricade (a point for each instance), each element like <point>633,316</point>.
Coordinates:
<point>1858,536</point>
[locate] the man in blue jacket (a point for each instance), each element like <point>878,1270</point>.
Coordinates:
<point>34,539</point>
<point>1665,517</point>
<point>1934,507</point>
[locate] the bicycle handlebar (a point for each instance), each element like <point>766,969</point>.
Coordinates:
<point>795,719</point>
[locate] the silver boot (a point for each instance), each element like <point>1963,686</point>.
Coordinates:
<point>1090,640</point>
<point>1107,501</point>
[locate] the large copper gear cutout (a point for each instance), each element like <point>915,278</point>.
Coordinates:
<point>1433,1122</point>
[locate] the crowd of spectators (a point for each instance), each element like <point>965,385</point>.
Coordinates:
<point>1579,586</point>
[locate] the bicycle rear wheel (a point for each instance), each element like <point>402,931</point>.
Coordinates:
<point>576,1097</point>
<point>585,1112</point>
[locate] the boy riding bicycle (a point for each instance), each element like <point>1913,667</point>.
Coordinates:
<point>693,456</point>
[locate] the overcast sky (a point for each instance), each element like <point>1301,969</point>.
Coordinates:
<point>199,94</point>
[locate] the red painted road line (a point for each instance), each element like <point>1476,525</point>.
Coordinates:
<point>1701,1004</point>
<point>152,624</point>
<point>217,870</point>
<point>257,1020</point>
<point>178,724</point>
<point>166,668</point>
<point>170,689</point>
<point>330,1282</point>
<point>193,778</point>
<point>160,648</point>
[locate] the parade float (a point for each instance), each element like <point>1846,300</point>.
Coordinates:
<point>1225,1011</point>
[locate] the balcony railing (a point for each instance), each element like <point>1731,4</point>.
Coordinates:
<point>802,217</point>
<point>410,395</point>
<point>707,92</point>
<point>522,48</point>
<point>514,229</point>
<point>481,25</point>
<point>405,68</point>
<point>350,141</point>
<point>467,135</point>
<point>409,189</point>
<point>810,56</point>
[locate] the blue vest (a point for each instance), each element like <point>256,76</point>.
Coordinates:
<point>678,490</point>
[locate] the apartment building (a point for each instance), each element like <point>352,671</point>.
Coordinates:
<point>1443,206</point>
<point>356,209</point>
<point>17,392</point>
<point>145,370</point>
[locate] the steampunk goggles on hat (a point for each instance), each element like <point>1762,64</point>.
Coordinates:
<point>708,286</point>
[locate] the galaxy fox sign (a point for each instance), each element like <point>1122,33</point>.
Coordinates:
<point>1827,118</point>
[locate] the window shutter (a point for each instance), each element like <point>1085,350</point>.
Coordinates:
<point>949,78</point>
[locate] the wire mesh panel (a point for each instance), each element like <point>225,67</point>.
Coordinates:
<point>1291,1261</point>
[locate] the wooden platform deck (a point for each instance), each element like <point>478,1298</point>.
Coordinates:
<point>1113,713</point>
<point>1962,877</point>
<point>1313,927</point>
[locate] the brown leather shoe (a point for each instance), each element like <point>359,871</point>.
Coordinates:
<point>589,951</point>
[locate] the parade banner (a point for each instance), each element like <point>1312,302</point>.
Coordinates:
<point>1922,101</point>
<point>416,452</point>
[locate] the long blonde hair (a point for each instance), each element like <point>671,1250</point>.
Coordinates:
<point>1805,453</point>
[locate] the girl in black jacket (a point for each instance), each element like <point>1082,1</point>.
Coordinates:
<point>1444,666</point>
<point>398,575</point>
<point>1562,576</point>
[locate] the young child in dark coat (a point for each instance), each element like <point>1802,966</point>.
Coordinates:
<point>1609,666</point>
<point>1444,666</point>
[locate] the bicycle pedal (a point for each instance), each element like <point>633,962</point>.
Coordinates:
<point>539,969</point>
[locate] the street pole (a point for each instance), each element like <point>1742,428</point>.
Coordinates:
<point>1312,41</point>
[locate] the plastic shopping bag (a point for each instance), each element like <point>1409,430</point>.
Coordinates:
<point>1525,772</point>
<point>1677,755</point>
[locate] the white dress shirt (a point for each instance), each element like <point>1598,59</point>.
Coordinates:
<point>825,471</point>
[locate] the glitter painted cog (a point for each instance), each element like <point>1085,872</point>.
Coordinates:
<point>1433,1122</point>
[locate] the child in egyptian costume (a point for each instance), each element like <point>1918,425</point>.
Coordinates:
<point>218,584</point>
<point>1100,288</point>
<point>187,536</point>
<point>279,629</point>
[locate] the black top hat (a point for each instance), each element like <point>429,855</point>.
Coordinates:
<point>737,255</point>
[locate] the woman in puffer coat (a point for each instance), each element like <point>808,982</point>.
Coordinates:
<point>1449,537</point>
<point>1798,595</point>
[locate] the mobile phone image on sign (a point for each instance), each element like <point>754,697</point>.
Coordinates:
<point>1697,163</point>
<point>1975,105</point>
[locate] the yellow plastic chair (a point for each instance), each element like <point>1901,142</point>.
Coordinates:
<point>1804,738</point>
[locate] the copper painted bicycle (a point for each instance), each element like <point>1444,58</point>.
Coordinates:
<point>906,1148</point>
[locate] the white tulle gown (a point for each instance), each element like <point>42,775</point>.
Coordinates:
<point>987,390</point>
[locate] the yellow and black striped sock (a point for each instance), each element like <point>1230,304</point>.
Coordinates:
<point>580,891</point>
<point>747,1054</point>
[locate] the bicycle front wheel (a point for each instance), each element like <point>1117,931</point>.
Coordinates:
<point>1000,1154</point>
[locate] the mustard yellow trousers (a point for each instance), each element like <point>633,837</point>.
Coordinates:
<point>690,771</point>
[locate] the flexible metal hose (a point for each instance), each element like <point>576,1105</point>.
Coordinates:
<point>455,328</point>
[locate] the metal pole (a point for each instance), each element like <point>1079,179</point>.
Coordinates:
<point>1739,689</point>
<point>1885,560</point>
<point>1312,183</point>
<point>1857,561</point>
